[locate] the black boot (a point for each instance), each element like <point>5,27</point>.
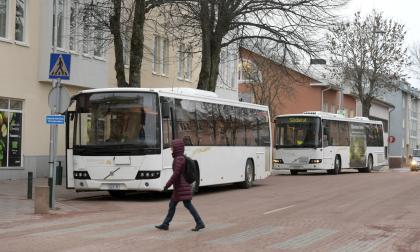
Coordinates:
<point>198,227</point>
<point>162,227</point>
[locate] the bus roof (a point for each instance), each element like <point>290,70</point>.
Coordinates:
<point>331,116</point>
<point>193,94</point>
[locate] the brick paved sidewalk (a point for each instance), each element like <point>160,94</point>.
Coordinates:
<point>14,205</point>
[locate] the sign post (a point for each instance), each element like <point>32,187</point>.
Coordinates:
<point>58,100</point>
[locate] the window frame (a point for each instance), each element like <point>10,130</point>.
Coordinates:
<point>72,34</point>
<point>160,55</point>
<point>7,22</point>
<point>24,40</point>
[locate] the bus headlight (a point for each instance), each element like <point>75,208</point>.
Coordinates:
<point>277,161</point>
<point>81,175</point>
<point>147,175</point>
<point>315,161</point>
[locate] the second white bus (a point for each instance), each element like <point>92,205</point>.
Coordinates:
<point>326,141</point>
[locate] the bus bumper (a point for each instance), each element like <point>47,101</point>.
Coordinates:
<point>301,167</point>
<point>123,185</point>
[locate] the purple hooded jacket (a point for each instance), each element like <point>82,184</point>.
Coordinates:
<point>182,189</point>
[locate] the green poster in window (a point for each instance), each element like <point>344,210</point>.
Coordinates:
<point>357,146</point>
<point>15,140</point>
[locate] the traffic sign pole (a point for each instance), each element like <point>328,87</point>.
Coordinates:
<point>53,128</point>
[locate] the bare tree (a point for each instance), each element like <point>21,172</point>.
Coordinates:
<point>219,23</point>
<point>415,58</point>
<point>369,54</point>
<point>121,23</point>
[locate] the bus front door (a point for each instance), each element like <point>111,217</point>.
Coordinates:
<point>70,119</point>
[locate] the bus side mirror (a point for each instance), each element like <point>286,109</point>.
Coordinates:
<point>166,110</point>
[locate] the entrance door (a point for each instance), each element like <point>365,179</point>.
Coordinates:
<point>168,124</point>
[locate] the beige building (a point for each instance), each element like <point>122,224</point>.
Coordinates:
<point>25,45</point>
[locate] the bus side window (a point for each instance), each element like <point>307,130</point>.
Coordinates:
<point>325,142</point>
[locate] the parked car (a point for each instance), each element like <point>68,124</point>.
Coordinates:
<point>415,160</point>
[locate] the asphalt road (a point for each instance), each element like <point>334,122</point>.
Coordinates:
<point>309,212</point>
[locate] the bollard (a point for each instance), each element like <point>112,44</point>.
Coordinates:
<point>41,200</point>
<point>50,185</point>
<point>30,180</point>
<point>59,174</point>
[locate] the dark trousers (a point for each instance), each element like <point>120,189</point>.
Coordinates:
<point>188,205</point>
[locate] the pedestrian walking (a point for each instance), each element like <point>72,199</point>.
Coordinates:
<point>182,189</point>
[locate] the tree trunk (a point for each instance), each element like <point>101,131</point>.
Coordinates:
<point>137,44</point>
<point>206,32</point>
<point>366,104</point>
<point>115,26</point>
<point>205,72</point>
<point>214,67</point>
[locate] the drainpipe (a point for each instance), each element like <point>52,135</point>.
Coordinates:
<point>322,97</point>
<point>389,132</point>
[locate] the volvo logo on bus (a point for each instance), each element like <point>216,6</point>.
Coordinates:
<point>111,173</point>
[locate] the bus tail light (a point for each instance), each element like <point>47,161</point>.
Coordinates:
<point>147,175</point>
<point>81,175</point>
<point>278,161</point>
<point>315,161</point>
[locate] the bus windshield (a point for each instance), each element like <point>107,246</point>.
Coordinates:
<point>298,132</point>
<point>117,119</point>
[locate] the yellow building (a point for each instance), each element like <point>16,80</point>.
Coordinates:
<point>25,45</point>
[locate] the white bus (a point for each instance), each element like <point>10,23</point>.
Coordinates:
<point>118,139</point>
<point>325,141</point>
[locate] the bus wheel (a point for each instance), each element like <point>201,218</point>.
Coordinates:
<point>337,166</point>
<point>196,184</point>
<point>369,167</point>
<point>294,172</point>
<point>117,194</point>
<point>249,175</point>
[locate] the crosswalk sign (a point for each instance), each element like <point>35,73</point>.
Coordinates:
<point>60,66</point>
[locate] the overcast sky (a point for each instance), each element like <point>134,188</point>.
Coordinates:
<point>406,12</point>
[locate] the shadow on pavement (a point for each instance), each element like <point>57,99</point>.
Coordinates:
<point>323,173</point>
<point>159,196</point>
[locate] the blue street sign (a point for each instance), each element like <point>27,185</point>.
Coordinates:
<point>60,64</point>
<point>55,119</point>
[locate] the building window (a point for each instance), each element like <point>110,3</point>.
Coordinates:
<point>184,63</point>
<point>86,33</point>
<point>20,24</point>
<point>10,133</point>
<point>4,11</point>
<point>73,25</point>
<point>160,55</point>
<point>99,40</point>
<point>126,49</point>
<point>60,23</point>
<point>248,72</point>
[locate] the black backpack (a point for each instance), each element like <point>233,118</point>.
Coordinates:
<point>190,171</point>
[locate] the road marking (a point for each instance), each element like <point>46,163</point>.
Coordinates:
<point>304,240</point>
<point>247,235</point>
<point>188,233</point>
<point>363,244</point>
<point>80,228</point>
<point>279,209</point>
